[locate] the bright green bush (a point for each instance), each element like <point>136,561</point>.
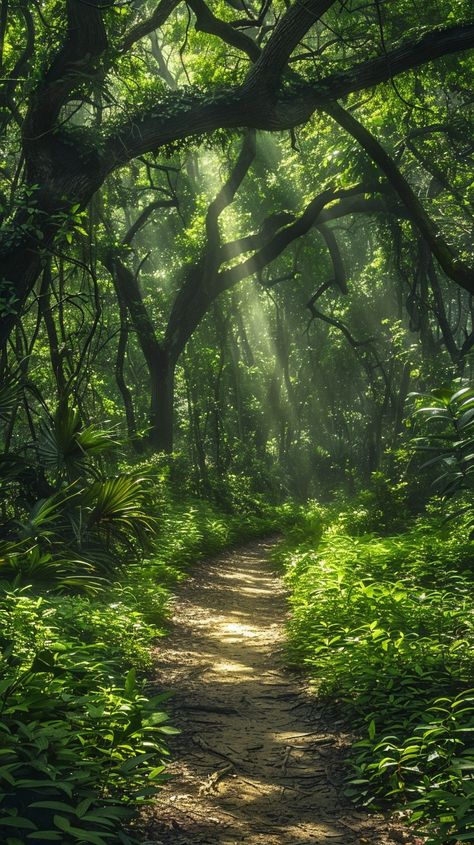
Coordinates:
<point>80,744</point>
<point>445,421</point>
<point>385,624</point>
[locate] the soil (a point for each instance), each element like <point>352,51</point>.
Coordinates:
<point>259,758</point>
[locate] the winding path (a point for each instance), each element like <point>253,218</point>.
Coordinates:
<point>259,760</point>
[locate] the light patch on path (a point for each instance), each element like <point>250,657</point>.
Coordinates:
<point>259,760</point>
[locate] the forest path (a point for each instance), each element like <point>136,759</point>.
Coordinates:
<point>258,760</point>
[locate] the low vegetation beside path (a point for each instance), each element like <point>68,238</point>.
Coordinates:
<point>383,623</point>
<point>83,743</point>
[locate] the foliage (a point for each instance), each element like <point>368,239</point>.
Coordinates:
<point>384,624</point>
<point>64,520</point>
<point>151,284</point>
<point>447,441</point>
<point>382,508</point>
<point>83,743</point>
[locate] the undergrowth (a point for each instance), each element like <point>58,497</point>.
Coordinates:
<point>384,625</point>
<point>83,740</point>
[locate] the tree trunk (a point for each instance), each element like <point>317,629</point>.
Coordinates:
<point>162,375</point>
<point>159,357</point>
<point>122,385</point>
<point>44,304</point>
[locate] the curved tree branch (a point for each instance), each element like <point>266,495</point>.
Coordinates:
<point>336,257</point>
<point>185,116</point>
<point>227,193</point>
<point>157,19</point>
<point>206,21</point>
<point>143,218</point>
<point>197,291</point>
<point>408,55</point>
<point>456,269</point>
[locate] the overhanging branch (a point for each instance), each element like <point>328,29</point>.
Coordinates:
<point>184,115</point>
<point>456,269</point>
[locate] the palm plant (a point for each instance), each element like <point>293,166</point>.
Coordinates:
<point>67,450</point>
<point>75,533</point>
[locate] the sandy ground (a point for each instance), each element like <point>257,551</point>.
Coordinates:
<point>259,759</point>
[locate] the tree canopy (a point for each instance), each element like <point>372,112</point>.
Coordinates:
<point>157,155</point>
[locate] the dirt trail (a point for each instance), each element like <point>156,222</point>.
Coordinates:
<point>258,760</point>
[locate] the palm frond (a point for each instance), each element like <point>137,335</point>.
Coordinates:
<point>117,507</point>
<point>66,448</point>
<point>10,396</point>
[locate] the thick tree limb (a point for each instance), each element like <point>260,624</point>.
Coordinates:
<point>289,31</point>
<point>273,248</point>
<point>268,245</point>
<point>251,106</point>
<point>442,317</point>
<point>129,293</point>
<point>84,43</point>
<point>197,291</point>
<point>227,193</point>
<point>408,55</point>
<point>342,208</point>
<point>336,257</point>
<point>362,205</point>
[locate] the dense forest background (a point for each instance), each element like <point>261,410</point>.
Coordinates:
<point>236,238</point>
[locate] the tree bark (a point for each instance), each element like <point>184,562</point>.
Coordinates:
<point>159,357</point>
<point>44,304</point>
<point>162,376</point>
<point>125,392</point>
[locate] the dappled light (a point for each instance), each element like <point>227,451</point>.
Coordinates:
<point>258,759</point>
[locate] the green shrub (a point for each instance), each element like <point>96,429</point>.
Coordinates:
<point>82,745</point>
<point>382,509</point>
<point>80,742</point>
<point>386,626</point>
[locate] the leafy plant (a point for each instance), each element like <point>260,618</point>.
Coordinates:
<point>384,625</point>
<point>447,441</point>
<point>86,522</point>
<point>67,449</point>
<point>78,752</point>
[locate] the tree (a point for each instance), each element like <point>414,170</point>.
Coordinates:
<point>63,163</point>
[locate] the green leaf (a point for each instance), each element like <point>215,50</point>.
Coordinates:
<point>63,823</point>
<point>53,805</point>
<point>130,681</point>
<point>18,821</point>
